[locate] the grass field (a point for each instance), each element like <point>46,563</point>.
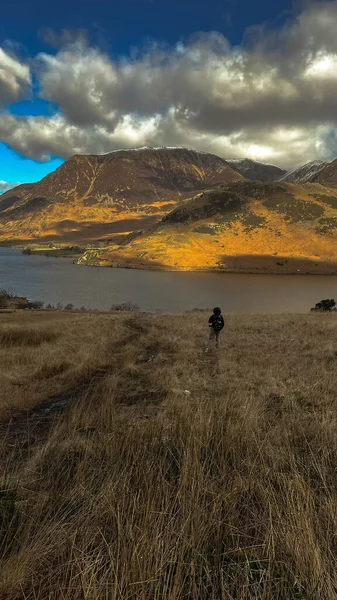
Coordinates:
<point>134,465</point>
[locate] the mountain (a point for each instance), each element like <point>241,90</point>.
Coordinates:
<point>314,172</point>
<point>93,197</point>
<point>256,171</point>
<point>305,174</point>
<point>328,175</point>
<point>243,226</point>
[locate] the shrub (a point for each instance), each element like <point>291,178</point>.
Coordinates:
<point>36,304</point>
<point>69,306</point>
<point>9,293</point>
<point>5,297</point>
<point>125,306</point>
<point>325,305</point>
<point>26,251</point>
<point>3,302</point>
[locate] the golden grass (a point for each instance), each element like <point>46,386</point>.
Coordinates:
<point>182,247</point>
<point>140,490</point>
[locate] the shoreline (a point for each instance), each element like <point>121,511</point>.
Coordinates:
<point>307,269</point>
<point>213,271</point>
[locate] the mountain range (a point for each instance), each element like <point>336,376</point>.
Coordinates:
<point>91,198</point>
<point>174,208</point>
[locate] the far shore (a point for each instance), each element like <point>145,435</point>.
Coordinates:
<point>243,265</point>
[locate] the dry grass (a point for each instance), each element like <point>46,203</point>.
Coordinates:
<point>139,490</point>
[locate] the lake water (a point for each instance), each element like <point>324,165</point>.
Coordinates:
<point>58,280</point>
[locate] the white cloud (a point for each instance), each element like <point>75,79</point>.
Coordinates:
<point>272,98</point>
<point>40,137</point>
<point>322,67</point>
<point>15,78</point>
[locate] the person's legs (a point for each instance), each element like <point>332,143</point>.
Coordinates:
<point>217,336</point>
<point>211,336</point>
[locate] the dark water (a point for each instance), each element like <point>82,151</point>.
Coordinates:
<point>58,280</point>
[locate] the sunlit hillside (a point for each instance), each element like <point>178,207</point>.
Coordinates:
<point>247,226</point>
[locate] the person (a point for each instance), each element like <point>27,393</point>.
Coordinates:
<point>216,323</point>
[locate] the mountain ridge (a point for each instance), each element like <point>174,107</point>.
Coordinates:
<point>304,174</point>
<point>175,208</point>
<point>117,188</point>
<point>256,170</point>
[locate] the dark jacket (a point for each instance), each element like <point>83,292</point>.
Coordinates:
<point>216,318</point>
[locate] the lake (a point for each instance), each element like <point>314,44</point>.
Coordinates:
<point>58,280</point>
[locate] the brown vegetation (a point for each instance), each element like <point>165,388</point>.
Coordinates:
<point>136,466</point>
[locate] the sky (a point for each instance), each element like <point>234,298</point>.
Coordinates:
<point>233,77</point>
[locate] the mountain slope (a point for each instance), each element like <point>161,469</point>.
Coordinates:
<point>314,172</point>
<point>328,175</point>
<point>92,196</point>
<point>243,226</point>
<point>305,174</point>
<point>256,171</point>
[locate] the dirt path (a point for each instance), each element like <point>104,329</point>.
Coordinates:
<point>29,428</point>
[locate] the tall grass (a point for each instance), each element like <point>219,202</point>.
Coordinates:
<point>173,473</point>
<point>22,336</point>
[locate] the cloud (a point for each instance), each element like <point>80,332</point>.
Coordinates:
<point>64,38</point>
<point>15,79</point>
<point>4,186</point>
<point>40,137</point>
<point>272,98</point>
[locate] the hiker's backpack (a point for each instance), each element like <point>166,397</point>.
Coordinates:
<point>218,323</point>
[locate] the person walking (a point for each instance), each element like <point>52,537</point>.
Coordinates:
<point>216,323</point>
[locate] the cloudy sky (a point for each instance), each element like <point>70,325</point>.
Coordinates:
<point>233,77</point>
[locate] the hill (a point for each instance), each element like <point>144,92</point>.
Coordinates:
<point>243,226</point>
<point>305,174</point>
<point>130,460</point>
<point>256,171</point>
<point>328,175</point>
<point>314,172</point>
<point>97,197</point>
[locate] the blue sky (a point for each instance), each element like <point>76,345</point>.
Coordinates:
<point>15,168</point>
<point>230,76</point>
<point>120,25</point>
